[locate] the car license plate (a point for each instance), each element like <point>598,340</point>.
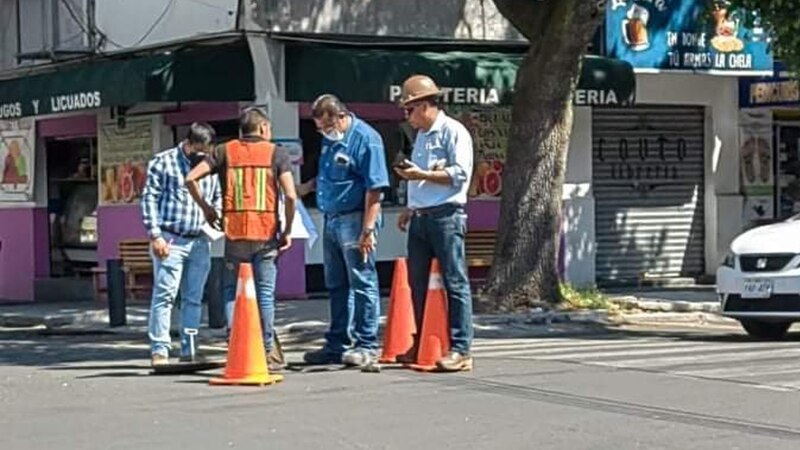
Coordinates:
<point>757,289</point>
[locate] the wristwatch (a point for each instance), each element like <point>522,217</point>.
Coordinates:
<point>367,231</point>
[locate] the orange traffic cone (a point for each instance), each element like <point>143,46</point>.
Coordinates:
<point>400,327</point>
<point>247,361</point>
<point>434,340</point>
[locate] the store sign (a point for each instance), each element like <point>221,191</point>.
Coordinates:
<point>685,35</point>
<point>782,89</point>
<point>652,158</point>
<point>17,155</point>
<point>50,105</point>
<point>456,95</point>
<point>467,78</point>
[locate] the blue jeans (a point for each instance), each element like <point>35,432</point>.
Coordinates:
<point>441,235</point>
<point>262,257</point>
<point>186,268</point>
<point>353,286</point>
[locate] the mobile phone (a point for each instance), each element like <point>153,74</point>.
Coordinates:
<point>404,164</point>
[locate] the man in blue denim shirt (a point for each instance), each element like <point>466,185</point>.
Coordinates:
<point>438,174</point>
<point>352,173</point>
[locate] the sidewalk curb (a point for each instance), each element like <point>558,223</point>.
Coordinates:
<point>662,318</point>
<point>655,305</point>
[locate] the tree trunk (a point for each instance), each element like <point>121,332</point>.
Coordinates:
<point>524,273</point>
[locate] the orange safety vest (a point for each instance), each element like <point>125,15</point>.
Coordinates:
<point>250,203</point>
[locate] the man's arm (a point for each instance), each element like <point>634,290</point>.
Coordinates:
<point>151,193</point>
<point>306,188</point>
<point>198,172</point>
<point>286,181</point>
<point>283,166</point>
<point>373,169</point>
<point>456,174</point>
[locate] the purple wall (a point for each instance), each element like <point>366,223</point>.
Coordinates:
<point>116,223</point>
<point>483,214</point>
<point>292,272</point>
<point>68,127</point>
<point>24,254</point>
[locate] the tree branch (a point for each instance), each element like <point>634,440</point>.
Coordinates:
<point>527,16</point>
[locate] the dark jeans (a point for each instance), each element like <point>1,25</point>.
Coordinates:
<point>440,235</point>
<point>353,286</point>
<point>262,257</point>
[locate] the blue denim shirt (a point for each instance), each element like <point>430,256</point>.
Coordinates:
<point>349,168</point>
<point>446,146</point>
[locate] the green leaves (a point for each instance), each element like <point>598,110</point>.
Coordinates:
<point>782,18</point>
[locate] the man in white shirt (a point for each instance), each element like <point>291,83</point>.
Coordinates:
<point>439,176</point>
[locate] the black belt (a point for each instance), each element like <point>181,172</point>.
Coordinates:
<point>183,235</point>
<point>447,208</point>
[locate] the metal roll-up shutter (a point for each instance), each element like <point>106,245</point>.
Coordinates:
<point>648,178</point>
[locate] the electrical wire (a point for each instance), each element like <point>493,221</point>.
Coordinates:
<point>155,24</point>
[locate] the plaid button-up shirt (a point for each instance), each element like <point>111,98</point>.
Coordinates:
<point>166,203</point>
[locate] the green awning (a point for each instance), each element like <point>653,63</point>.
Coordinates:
<point>203,73</point>
<point>375,75</point>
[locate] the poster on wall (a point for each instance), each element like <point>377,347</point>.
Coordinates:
<point>756,157</point>
<point>489,127</point>
<point>17,155</point>
<point>124,152</point>
<point>686,35</point>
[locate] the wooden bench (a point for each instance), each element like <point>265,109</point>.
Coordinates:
<point>479,247</point>
<point>136,261</point>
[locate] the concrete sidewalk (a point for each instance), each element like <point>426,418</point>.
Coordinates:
<point>310,316</point>
<point>299,319</point>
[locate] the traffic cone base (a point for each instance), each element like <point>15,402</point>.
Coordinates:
<point>434,340</point>
<point>247,361</point>
<point>253,380</point>
<point>398,337</point>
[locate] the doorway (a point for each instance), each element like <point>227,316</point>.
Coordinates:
<point>72,195</point>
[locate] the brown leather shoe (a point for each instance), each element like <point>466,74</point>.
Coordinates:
<point>275,359</point>
<point>455,362</point>
<point>409,357</point>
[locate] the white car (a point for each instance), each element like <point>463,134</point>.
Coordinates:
<point>759,281</point>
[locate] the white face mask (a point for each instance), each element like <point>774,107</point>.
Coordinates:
<point>334,135</point>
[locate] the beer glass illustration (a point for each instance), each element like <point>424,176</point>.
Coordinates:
<point>634,28</point>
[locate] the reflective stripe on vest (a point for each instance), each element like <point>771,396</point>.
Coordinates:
<point>251,191</point>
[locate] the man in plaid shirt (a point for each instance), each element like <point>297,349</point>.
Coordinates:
<point>179,248</point>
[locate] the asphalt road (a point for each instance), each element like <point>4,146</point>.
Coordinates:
<point>617,389</point>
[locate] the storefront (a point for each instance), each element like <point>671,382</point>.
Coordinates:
<point>665,173</point>
<point>477,82</point>
<point>770,146</point>
<point>77,137</point>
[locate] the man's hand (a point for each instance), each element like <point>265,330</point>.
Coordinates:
<point>160,247</point>
<point>403,219</point>
<point>211,216</point>
<point>306,188</point>
<point>284,243</point>
<point>411,172</point>
<point>367,244</point>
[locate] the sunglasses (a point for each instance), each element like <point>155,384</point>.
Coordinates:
<point>410,109</point>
